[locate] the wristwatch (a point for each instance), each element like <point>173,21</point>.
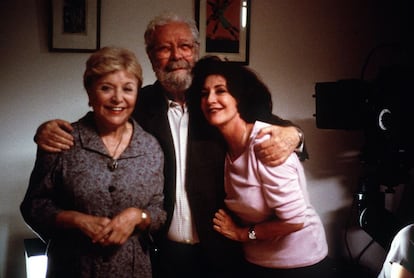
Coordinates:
<point>144,220</point>
<point>301,137</point>
<point>252,233</point>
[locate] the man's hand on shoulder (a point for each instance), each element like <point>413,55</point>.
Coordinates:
<point>283,141</point>
<point>54,136</point>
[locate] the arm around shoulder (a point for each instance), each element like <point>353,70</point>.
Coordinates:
<point>54,136</point>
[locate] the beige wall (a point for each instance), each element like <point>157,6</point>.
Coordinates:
<point>293,45</point>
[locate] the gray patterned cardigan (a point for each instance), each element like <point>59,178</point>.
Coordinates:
<point>79,179</point>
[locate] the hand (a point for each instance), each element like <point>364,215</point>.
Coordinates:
<point>224,224</point>
<point>92,226</point>
<point>88,224</point>
<point>283,142</point>
<point>54,136</point>
<point>120,227</point>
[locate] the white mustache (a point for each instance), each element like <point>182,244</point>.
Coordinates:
<point>181,64</point>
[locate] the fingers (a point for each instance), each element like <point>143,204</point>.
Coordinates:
<point>218,223</point>
<point>269,154</point>
<point>93,227</point>
<point>119,229</point>
<point>102,235</point>
<point>286,138</point>
<point>60,134</point>
<point>276,150</point>
<point>217,228</point>
<point>272,162</point>
<point>104,231</point>
<point>54,136</point>
<point>272,159</point>
<point>266,130</point>
<point>62,131</point>
<point>64,125</point>
<point>54,143</point>
<point>223,224</point>
<point>113,236</point>
<point>220,214</point>
<point>61,140</point>
<point>221,219</point>
<point>50,149</point>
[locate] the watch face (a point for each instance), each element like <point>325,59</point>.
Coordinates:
<point>252,234</point>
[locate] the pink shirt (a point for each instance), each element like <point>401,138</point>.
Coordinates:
<point>257,193</point>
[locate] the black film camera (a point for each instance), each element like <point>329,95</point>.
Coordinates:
<point>384,110</point>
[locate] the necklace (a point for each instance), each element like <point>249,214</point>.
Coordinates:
<point>113,163</point>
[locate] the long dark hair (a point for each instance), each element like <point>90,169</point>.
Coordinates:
<point>252,95</point>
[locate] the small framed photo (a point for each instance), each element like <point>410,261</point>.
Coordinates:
<point>75,25</point>
<point>224,27</point>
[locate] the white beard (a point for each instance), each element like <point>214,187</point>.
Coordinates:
<point>174,81</point>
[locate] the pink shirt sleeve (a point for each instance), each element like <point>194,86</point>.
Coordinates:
<point>282,189</point>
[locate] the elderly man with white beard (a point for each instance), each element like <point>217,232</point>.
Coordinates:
<point>194,156</point>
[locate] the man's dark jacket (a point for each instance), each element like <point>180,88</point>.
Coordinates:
<point>204,174</point>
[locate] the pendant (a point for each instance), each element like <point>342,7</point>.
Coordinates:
<point>113,164</point>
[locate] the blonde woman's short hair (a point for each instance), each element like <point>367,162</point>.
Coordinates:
<point>108,60</point>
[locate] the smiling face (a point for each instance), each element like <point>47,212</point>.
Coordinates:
<point>218,105</point>
<point>173,55</point>
<point>113,98</point>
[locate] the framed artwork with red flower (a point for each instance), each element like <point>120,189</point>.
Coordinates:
<point>224,27</point>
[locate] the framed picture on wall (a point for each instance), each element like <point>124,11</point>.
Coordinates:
<point>224,27</point>
<point>75,25</point>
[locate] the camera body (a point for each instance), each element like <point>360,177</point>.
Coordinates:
<point>383,110</point>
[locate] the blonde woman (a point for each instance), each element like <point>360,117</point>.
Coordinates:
<point>94,203</point>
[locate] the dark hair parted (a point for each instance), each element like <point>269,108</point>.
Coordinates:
<point>254,100</point>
